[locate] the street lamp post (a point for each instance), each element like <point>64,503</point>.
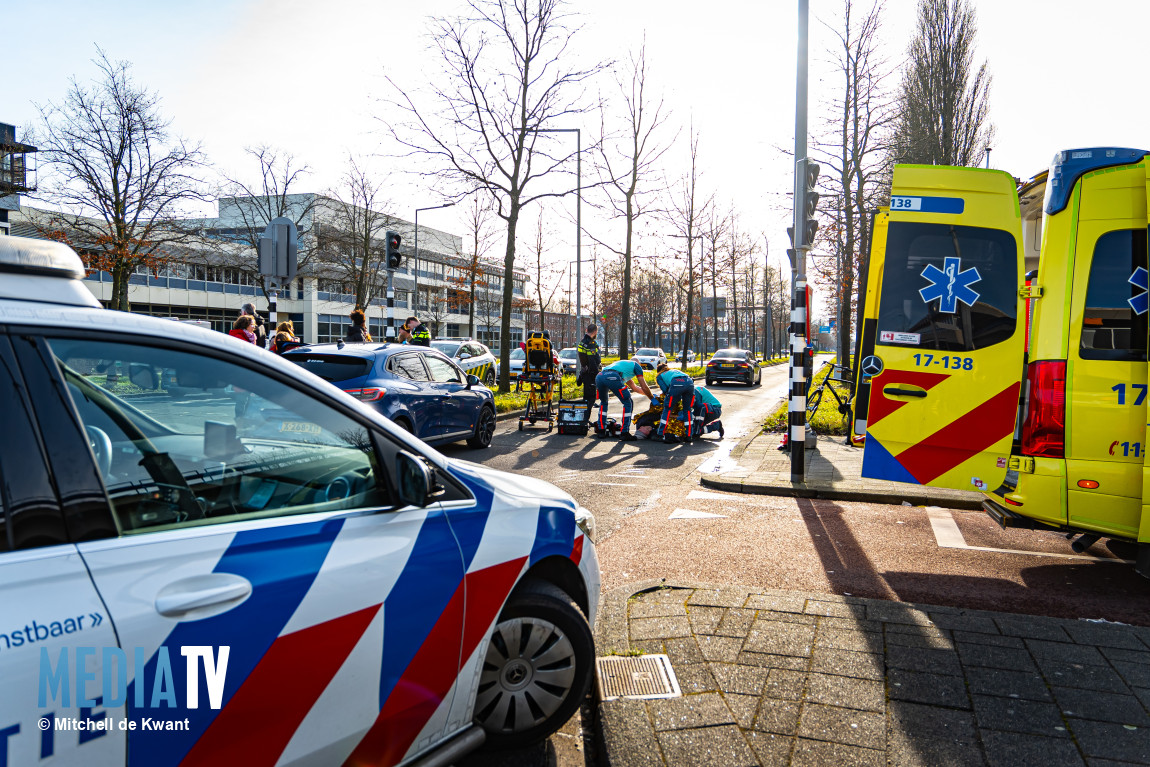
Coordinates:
<point>578,215</point>
<point>797,409</point>
<point>415,261</point>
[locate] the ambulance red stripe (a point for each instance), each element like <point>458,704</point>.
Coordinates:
<point>956,442</point>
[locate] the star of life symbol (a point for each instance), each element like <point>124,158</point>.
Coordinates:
<point>950,285</point>
<point>1141,302</point>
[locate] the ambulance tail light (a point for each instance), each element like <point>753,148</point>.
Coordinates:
<point>1044,430</point>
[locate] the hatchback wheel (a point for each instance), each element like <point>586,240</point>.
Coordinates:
<point>484,429</point>
<point>538,668</point>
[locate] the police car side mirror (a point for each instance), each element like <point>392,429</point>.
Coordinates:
<point>415,479</point>
<point>473,381</point>
<point>464,356</point>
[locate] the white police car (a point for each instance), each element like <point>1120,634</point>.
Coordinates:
<point>262,571</point>
<point>475,358</point>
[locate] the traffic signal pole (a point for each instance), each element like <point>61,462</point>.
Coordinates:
<point>798,398</point>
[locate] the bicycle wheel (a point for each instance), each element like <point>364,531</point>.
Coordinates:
<point>813,400</point>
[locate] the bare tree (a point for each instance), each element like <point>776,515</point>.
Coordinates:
<point>353,245</point>
<point>115,174</point>
<point>855,151</point>
<point>713,230</point>
<point>943,103</point>
<point>505,82</point>
<point>627,163</point>
<point>270,197</point>
<point>471,275</point>
<point>542,272</point>
<point>689,210</point>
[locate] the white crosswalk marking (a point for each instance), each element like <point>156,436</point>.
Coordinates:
<point>692,514</point>
<point>703,495</point>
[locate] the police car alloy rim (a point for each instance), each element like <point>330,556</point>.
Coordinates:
<point>527,674</point>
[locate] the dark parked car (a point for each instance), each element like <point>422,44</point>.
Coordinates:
<point>418,388</point>
<point>734,365</point>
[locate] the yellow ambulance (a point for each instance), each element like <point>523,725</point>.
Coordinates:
<point>1010,342</point>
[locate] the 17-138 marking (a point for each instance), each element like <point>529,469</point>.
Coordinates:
<point>947,361</point>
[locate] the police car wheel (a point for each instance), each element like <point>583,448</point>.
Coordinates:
<point>484,429</point>
<point>489,378</point>
<point>537,671</point>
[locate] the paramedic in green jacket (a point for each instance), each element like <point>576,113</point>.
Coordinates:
<point>679,387</point>
<point>618,378</point>
<point>708,410</point>
<point>590,360</point>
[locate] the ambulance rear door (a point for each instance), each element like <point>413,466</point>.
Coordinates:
<point>1143,561</point>
<point>949,330</point>
<point>865,359</point>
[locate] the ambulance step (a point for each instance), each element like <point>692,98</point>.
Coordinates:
<point>1008,519</point>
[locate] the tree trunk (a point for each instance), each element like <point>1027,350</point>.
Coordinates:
<point>121,273</point>
<point>625,329</point>
<point>508,285</point>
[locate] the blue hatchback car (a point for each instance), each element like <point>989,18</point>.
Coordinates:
<point>419,388</point>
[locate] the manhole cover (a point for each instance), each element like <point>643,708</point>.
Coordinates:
<point>645,676</point>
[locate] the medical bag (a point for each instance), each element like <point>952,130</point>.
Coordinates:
<point>573,417</point>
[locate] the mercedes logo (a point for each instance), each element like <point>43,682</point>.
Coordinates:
<point>871,366</point>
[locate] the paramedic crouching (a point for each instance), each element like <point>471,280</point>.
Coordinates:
<point>708,410</point>
<point>618,378</point>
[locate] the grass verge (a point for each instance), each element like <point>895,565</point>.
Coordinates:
<point>827,420</point>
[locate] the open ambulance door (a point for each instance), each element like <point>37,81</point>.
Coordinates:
<point>864,356</point>
<point>1142,563</point>
<point>949,348</point>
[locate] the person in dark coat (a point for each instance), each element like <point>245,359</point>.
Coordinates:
<point>357,333</point>
<point>590,361</point>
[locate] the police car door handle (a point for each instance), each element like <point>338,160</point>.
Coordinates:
<point>184,596</point>
<point>897,392</point>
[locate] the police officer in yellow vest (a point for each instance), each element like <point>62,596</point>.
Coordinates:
<point>414,332</point>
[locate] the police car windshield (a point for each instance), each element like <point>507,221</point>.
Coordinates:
<point>447,347</point>
<point>568,354</point>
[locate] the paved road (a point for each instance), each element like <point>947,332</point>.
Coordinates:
<point>615,479</point>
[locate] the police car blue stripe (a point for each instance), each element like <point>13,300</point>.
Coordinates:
<point>554,533</point>
<point>418,598</point>
<point>281,563</point>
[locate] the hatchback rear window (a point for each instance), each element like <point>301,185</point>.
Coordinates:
<point>945,287</point>
<point>1111,327</point>
<point>730,355</point>
<point>332,367</point>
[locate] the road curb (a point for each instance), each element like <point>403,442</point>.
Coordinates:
<point>796,490</point>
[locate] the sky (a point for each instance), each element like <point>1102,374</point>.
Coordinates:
<point>308,77</point>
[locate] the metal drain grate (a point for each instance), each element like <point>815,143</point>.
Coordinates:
<point>643,677</point>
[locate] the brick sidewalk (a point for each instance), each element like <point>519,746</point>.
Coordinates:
<point>833,470</point>
<point>790,678</point>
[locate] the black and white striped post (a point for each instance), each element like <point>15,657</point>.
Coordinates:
<point>797,420</point>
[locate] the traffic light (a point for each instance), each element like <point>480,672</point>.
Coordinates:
<point>394,257</point>
<point>810,202</point>
<point>807,207</point>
